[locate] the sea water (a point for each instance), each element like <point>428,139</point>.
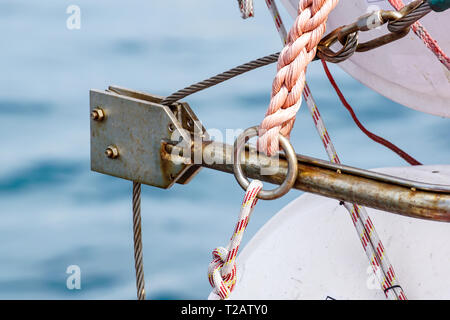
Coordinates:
<point>56,213</point>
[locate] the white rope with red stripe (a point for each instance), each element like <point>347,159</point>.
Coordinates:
<point>222,269</point>
<point>277,19</point>
<point>246,7</point>
<point>370,241</point>
<point>372,245</point>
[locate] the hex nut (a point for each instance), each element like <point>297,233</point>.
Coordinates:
<point>112,152</point>
<point>98,114</point>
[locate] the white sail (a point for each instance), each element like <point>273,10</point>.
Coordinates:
<point>405,71</point>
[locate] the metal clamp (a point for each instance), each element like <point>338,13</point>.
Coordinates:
<point>292,170</point>
<point>398,22</point>
<point>129,129</point>
<point>369,21</point>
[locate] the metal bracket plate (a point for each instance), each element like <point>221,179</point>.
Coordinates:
<point>131,122</point>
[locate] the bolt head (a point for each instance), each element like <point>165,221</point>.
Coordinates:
<point>112,152</point>
<point>98,114</point>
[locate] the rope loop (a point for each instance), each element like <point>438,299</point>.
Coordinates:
<point>222,269</point>
<point>223,285</point>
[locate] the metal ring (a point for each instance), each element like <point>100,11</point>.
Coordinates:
<point>292,171</point>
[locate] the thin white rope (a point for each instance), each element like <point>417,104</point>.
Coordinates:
<point>246,7</point>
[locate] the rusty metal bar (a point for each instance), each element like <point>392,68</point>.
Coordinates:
<point>132,137</point>
<point>379,191</point>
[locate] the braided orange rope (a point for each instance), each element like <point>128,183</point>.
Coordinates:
<point>289,81</point>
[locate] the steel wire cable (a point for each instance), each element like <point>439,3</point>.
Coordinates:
<point>411,18</point>
<point>137,237</point>
<point>180,94</point>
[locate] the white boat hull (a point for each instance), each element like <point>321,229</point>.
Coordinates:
<point>405,71</point>
<point>310,250</point>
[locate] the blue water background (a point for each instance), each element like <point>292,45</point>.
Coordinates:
<point>55,212</point>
